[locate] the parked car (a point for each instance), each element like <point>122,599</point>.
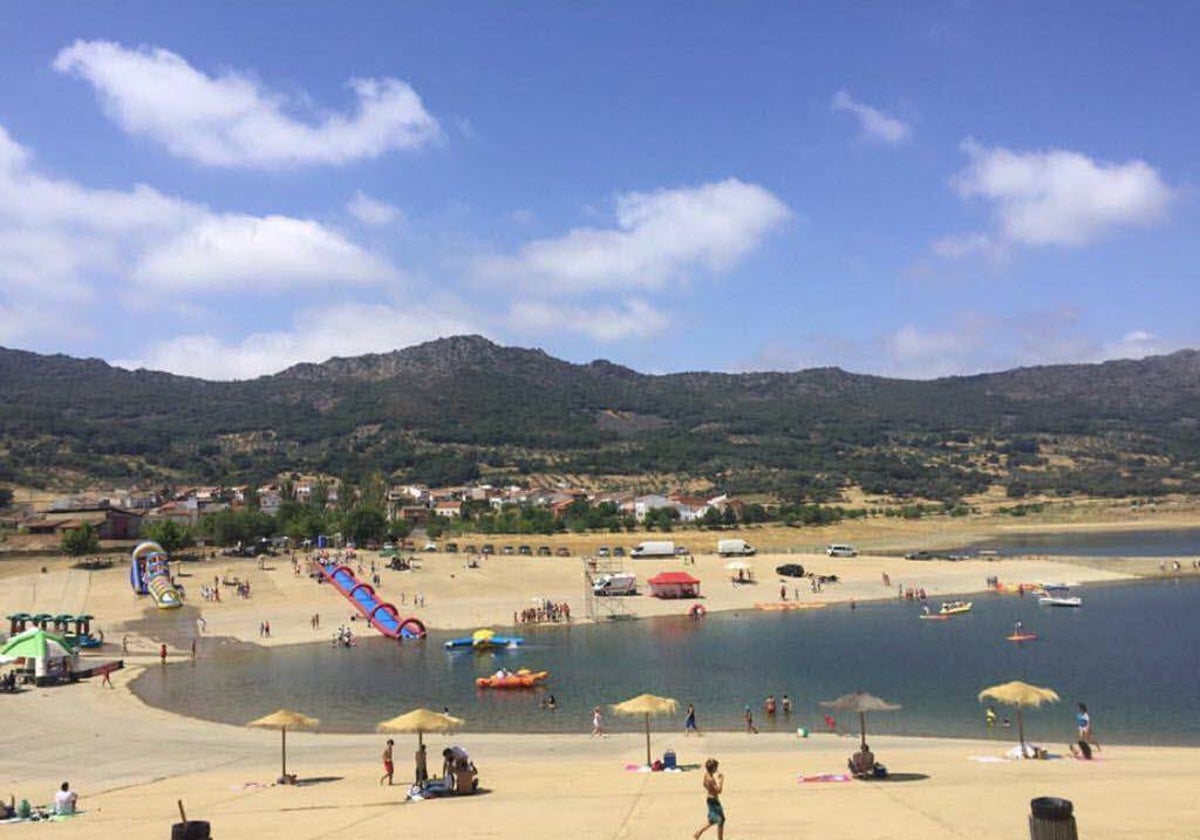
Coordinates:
<point>919,555</point>
<point>430,546</point>
<point>451,548</point>
<point>681,549</point>
<point>470,548</point>
<point>602,551</point>
<point>508,549</point>
<point>488,548</point>
<point>790,570</point>
<point>618,551</point>
<point>544,551</point>
<point>563,551</point>
<point>525,550</point>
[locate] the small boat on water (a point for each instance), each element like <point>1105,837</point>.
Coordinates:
<point>1060,601</point>
<point>523,678</point>
<point>955,607</point>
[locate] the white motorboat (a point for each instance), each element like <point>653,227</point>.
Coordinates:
<point>1060,601</point>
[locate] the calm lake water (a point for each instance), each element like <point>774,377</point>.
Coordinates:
<point>1130,653</point>
<point>1181,542</point>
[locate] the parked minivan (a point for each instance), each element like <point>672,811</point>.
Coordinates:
<point>841,550</point>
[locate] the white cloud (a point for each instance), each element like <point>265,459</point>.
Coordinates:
<point>875,124</point>
<point>231,120</point>
<point>229,252</point>
<point>659,237</point>
<point>61,242</point>
<point>633,319</point>
<point>1053,198</point>
<point>964,245</point>
<point>315,336</point>
<point>971,342</point>
<point>371,211</point>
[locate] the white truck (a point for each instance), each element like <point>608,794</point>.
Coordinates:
<point>616,583</point>
<point>734,548</point>
<point>654,548</point>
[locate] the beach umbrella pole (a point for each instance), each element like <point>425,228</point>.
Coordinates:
<point>648,761</point>
<point>1021,730</point>
<point>862,729</point>
<point>283,742</point>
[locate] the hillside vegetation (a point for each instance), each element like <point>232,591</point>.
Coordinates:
<point>462,408</point>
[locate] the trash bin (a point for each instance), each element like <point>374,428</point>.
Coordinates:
<point>191,830</point>
<point>1052,818</point>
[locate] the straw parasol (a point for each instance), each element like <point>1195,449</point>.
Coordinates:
<point>647,704</point>
<point>862,703</point>
<point>421,721</point>
<point>1019,694</point>
<point>281,720</point>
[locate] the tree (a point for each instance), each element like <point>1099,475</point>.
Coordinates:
<point>363,524</point>
<point>80,541</point>
<point>169,534</point>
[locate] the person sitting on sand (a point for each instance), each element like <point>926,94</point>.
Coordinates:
<point>863,765</point>
<point>65,800</point>
<point>1081,750</point>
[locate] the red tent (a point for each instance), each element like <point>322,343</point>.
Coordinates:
<point>674,585</point>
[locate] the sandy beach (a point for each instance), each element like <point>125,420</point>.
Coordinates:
<point>130,763</point>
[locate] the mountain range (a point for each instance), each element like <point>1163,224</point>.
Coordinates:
<point>463,408</point>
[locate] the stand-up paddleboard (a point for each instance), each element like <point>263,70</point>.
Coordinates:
<point>933,617</point>
<point>1021,637</point>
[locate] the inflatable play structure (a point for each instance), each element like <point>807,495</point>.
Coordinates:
<point>150,574</point>
<point>485,640</point>
<point>381,615</point>
<point>523,678</point>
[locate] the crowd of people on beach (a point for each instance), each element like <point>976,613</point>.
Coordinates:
<point>546,611</point>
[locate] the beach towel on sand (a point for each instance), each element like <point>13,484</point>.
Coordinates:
<point>826,777</point>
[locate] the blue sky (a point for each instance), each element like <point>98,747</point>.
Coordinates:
<point>906,189</point>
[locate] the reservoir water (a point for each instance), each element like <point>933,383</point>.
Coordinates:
<point>1131,653</point>
<point>1172,542</point>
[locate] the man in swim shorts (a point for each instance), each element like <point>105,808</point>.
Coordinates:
<point>714,783</point>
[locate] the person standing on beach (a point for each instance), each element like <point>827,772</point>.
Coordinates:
<point>388,767</point>
<point>162,652</point>
<point>689,721</point>
<point>751,729</point>
<point>714,784</point>
<point>1084,721</point>
<point>597,719</point>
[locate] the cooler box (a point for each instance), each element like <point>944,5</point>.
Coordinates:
<point>669,760</point>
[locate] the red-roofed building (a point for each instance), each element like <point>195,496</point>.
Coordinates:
<point>674,585</point>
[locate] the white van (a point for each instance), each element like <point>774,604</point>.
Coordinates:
<point>617,583</point>
<point>841,550</point>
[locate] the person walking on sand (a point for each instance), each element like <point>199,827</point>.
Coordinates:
<point>714,783</point>
<point>689,721</point>
<point>388,767</point>
<point>597,720</point>
<point>162,652</point>
<point>751,729</point>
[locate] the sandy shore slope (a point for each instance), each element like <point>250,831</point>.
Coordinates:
<point>130,765</point>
